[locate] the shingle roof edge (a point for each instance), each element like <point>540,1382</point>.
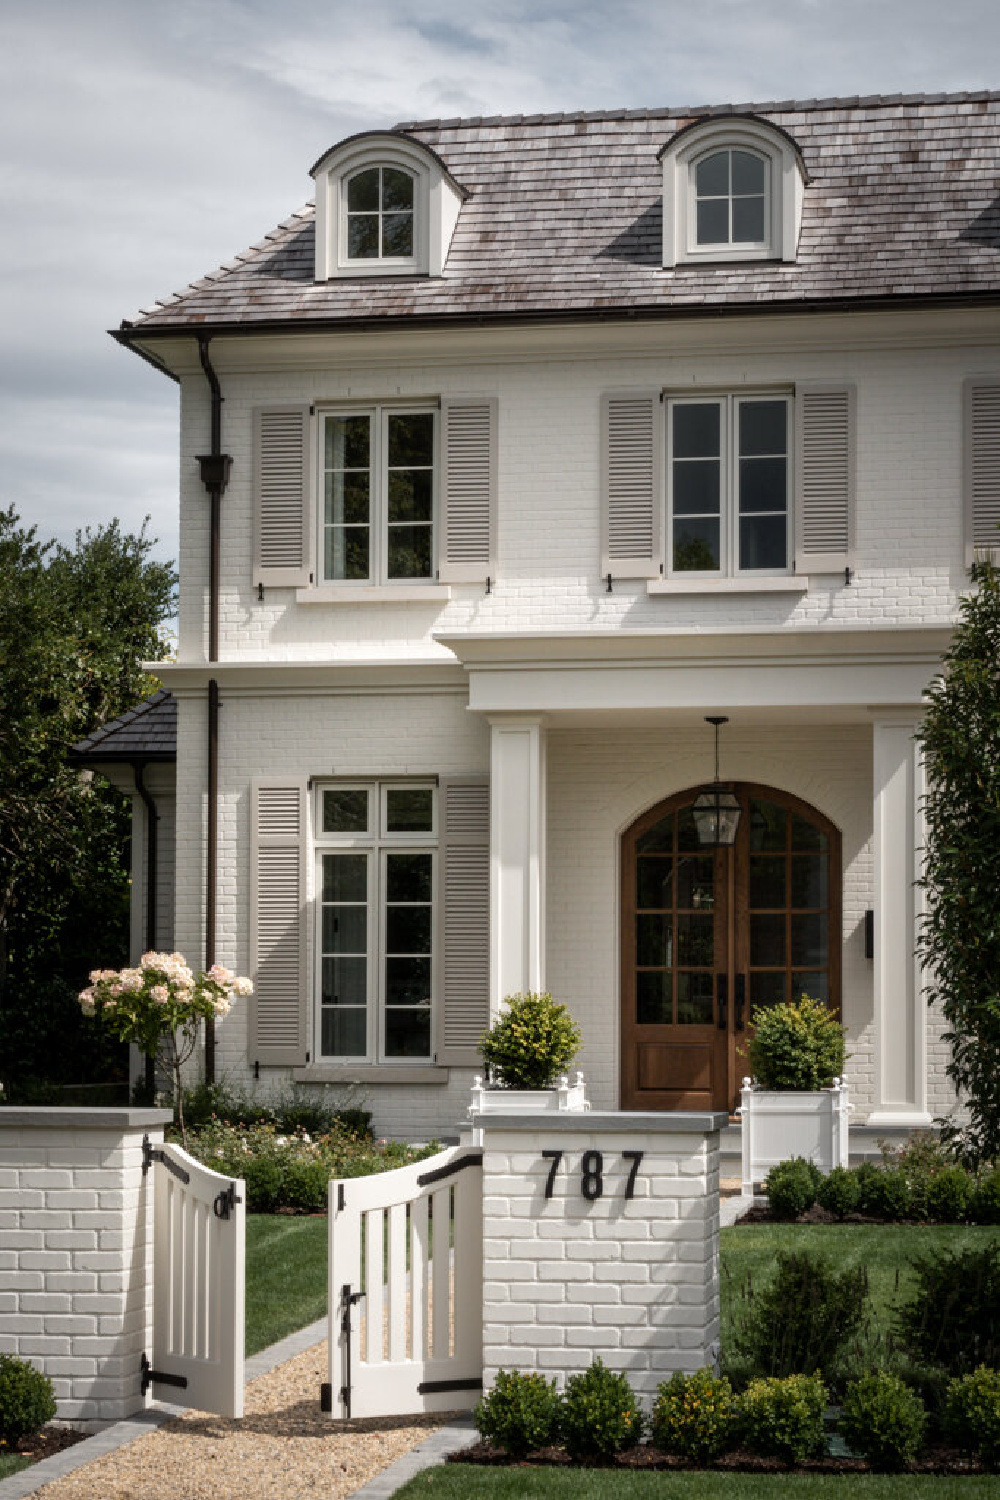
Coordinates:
<point>96,746</point>
<point>673,112</point>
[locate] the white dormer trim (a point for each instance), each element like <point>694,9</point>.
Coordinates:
<point>785,179</point>
<point>437,198</point>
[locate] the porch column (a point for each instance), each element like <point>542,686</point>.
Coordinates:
<point>517,857</point>
<point>900,1006</point>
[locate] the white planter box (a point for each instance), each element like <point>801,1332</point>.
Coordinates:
<point>563,1096</point>
<point>778,1125</point>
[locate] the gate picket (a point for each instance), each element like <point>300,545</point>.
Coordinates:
<point>410,1360</point>
<point>199,1239</point>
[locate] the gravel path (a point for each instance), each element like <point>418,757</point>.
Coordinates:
<point>284,1446</point>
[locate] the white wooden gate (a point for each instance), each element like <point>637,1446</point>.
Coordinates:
<point>406,1288</point>
<point>199,1244</point>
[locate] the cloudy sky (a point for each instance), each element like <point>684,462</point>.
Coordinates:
<point>145,141</point>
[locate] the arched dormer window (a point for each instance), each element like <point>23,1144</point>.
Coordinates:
<point>386,205</point>
<point>379,208</point>
<point>732,190</point>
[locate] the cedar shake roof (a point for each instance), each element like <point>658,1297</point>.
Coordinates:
<point>564,218</point>
<point>146,732</point>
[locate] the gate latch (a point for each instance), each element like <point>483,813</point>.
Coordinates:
<point>347,1301</point>
<point>225,1202</point>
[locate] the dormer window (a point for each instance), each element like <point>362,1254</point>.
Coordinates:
<point>379,207</point>
<point>732,191</point>
<point>386,205</point>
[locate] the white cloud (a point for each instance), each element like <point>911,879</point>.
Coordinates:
<point>143,144</point>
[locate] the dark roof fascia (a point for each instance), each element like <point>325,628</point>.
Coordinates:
<point>403,135</point>
<point>121,336</point>
<point>120,757</point>
<point>620,314</point>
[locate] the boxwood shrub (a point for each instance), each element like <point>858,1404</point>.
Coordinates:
<point>27,1401</point>
<point>600,1415</point>
<point>696,1416</point>
<point>883,1420</point>
<point>972,1414</point>
<point>520,1413</point>
<point>784,1418</point>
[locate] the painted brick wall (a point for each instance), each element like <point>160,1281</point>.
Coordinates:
<point>635,1281</point>
<point>76,1253</point>
<point>909,564</point>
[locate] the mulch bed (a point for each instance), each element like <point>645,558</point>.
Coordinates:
<point>758,1214</point>
<point>740,1461</point>
<point>49,1441</point>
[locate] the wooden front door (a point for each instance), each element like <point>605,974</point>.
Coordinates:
<point>708,934</point>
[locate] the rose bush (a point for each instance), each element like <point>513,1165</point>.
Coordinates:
<point>160,1006</point>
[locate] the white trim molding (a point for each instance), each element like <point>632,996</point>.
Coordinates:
<point>517,858</point>
<point>785,181</point>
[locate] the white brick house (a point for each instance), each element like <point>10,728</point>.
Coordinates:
<point>550,437</point>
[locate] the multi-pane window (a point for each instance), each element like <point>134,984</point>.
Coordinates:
<point>728,484</point>
<point>378,476</point>
<point>790,906</point>
<point>375,887</point>
<point>730,191</point>
<point>380,214</point>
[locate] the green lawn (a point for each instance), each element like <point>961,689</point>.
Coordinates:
<point>10,1463</point>
<point>285,1276</point>
<point>457,1481</point>
<point>886,1249</point>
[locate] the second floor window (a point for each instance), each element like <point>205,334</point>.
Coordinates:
<point>378,477</point>
<point>380,205</point>
<point>728,485</point>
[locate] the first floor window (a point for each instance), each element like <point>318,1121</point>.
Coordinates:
<point>728,484</point>
<point>375,884</point>
<point>378,474</point>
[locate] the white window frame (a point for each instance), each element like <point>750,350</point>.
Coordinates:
<point>744,249</point>
<point>729,513</point>
<point>382,265</point>
<point>378,413</point>
<point>785,182</point>
<point>376,845</point>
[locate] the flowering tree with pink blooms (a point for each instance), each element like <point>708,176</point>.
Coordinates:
<point>160,1005</point>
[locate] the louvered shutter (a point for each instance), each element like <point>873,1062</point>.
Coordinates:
<point>824,468</point>
<point>465,895</point>
<point>282,496</point>
<point>982,470</point>
<point>468,489</point>
<point>278,1009</point>
<point>631,483</point>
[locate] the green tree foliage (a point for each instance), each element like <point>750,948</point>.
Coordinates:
<point>75,624</point>
<point>960,939</point>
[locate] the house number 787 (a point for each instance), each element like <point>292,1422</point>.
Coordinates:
<point>592,1173</point>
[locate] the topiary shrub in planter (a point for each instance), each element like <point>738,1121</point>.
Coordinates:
<point>839,1193</point>
<point>953,1318</point>
<point>884,1421</point>
<point>520,1414</point>
<point>791,1187</point>
<point>697,1416</point>
<point>797,1046</point>
<point>784,1418</point>
<point>796,1102</point>
<point>531,1042</point>
<point>600,1415</point>
<point>802,1318</point>
<point>972,1415</point>
<point>27,1401</point>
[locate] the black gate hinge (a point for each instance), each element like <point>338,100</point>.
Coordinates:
<point>149,1375</point>
<point>151,1153</point>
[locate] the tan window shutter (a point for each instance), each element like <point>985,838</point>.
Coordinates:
<point>278,1015</point>
<point>282,497</point>
<point>631,483</point>
<point>468,489</point>
<point>464,1013</point>
<point>982,470</point>
<point>825,478</point>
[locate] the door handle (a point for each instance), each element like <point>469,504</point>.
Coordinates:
<point>739,1000</point>
<point>722,997</point>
